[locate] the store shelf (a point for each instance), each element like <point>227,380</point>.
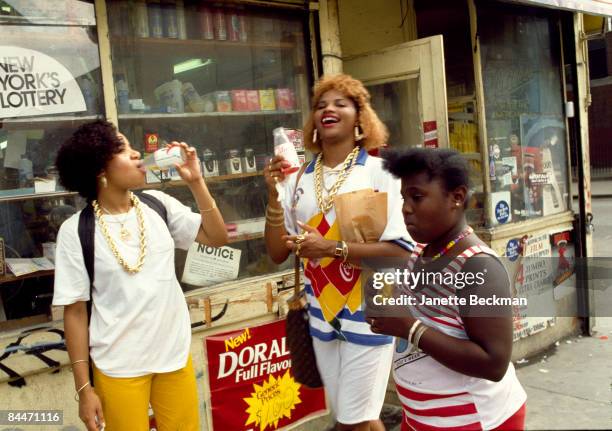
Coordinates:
<point>187,115</point>
<point>7,278</point>
<point>209,180</point>
<point>245,237</point>
<point>48,119</point>
<point>149,42</point>
<point>31,196</point>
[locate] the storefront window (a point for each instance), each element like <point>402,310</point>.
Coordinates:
<point>526,129</point>
<point>450,18</point>
<point>50,82</point>
<point>221,78</point>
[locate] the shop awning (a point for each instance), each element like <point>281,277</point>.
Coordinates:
<point>593,7</point>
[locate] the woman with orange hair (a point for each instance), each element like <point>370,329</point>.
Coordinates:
<point>354,363</point>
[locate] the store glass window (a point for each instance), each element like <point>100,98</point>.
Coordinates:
<point>220,77</point>
<point>454,25</point>
<point>526,128</point>
<point>50,82</point>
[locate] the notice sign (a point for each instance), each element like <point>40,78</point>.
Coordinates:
<point>208,265</point>
<point>32,83</point>
<point>251,384</point>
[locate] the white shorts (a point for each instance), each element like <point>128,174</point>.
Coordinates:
<point>355,378</point>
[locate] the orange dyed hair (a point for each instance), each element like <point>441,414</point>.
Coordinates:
<point>374,131</point>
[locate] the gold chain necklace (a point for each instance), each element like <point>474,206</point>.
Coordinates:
<point>325,204</point>
<point>123,232</point>
<point>143,244</point>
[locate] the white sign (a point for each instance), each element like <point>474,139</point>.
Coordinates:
<point>34,84</point>
<point>207,265</point>
<point>534,283</point>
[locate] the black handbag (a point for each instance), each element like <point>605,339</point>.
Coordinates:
<point>297,329</point>
<point>299,340</point>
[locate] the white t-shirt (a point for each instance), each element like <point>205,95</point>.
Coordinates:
<point>140,323</point>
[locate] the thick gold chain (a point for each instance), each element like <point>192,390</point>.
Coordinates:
<point>325,204</point>
<point>143,243</point>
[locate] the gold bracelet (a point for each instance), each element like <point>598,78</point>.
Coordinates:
<point>276,217</point>
<point>79,360</point>
<point>273,210</point>
<point>76,396</point>
<point>272,224</point>
<point>213,207</point>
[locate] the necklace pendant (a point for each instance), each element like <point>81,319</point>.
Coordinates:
<point>125,234</point>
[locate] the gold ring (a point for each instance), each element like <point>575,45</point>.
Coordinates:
<point>300,239</point>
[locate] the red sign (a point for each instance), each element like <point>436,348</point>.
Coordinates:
<point>251,384</point>
<point>430,134</point>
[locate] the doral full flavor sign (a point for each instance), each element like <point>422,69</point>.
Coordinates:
<point>251,384</point>
<point>32,83</point>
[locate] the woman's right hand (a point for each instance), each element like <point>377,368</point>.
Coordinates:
<point>90,410</point>
<point>273,172</point>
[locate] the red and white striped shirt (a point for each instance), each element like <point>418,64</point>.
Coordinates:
<point>436,398</point>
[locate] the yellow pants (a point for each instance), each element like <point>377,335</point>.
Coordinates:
<point>173,396</point>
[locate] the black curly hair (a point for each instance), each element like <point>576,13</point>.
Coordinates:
<point>85,154</point>
<point>445,164</point>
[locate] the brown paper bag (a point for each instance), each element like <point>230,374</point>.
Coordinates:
<point>361,215</point>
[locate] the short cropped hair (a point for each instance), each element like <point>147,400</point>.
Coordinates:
<point>374,131</point>
<point>82,158</point>
<point>446,165</point>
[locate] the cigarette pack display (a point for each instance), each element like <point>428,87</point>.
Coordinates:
<point>239,100</point>
<point>266,100</point>
<point>252,97</point>
<point>224,101</point>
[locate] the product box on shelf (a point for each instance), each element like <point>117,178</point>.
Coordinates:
<point>210,165</point>
<point>192,98</point>
<point>170,96</point>
<point>266,100</point>
<point>248,161</point>
<point>285,99</point>
<point>151,142</point>
<point>239,100</point>
<point>224,101</point>
<point>252,97</point>
<point>233,163</point>
<point>206,23</point>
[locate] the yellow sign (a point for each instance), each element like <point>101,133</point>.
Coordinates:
<point>272,401</point>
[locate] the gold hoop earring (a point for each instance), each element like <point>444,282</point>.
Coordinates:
<point>358,134</point>
<point>103,181</point>
<point>314,136</point>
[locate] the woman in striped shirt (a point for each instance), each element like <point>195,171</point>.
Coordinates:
<point>451,363</point>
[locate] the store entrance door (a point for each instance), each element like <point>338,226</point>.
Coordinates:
<point>408,87</point>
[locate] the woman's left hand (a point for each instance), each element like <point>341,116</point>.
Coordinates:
<point>191,170</point>
<point>396,326</point>
<point>310,244</point>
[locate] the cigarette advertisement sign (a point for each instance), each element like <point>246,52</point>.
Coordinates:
<point>251,384</point>
<point>34,84</point>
